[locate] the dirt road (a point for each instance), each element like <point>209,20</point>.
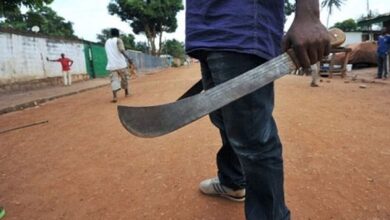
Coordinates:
<point>84,165</point>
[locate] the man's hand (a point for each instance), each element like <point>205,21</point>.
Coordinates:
<point>307,36</point>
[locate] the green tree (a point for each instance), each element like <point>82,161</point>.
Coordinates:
<point>44,17</point>
<point>289,8</point>
<point>142,46</point>
<point>8,7</point>
<point>330,4</point>
<point>174,48</point>
<point>149,17</point>
<point>128,39</point>
<point>347,25</point>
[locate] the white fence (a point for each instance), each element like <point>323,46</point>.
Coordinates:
<point>23,58</point>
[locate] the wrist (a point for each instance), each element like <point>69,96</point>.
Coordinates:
<point>307,9</point>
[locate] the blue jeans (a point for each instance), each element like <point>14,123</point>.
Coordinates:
<point>382,66</point>
<point>251,152</point>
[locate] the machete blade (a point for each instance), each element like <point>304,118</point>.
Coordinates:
<point>153,121</point>
<point>195,89</point>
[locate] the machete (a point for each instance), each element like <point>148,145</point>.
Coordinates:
<point>153,121</point>
<point>195,89</point>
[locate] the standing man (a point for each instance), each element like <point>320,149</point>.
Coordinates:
<point>382,53</point>
<point>230,37</point>
<point>117,64</point>
<point>66,63</point>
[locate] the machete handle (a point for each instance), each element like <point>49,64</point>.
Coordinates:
<point>293,57</point>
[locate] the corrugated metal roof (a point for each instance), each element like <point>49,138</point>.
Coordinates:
<point>378,19</point>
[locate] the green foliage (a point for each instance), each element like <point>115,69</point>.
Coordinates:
<point>347,25</point>
<point>149,17</point>
<point>142,46</point>
<point>174,48</point>
<point>44,17</point>
<point>289,7</point>
<point>11,6</point>
<point>128,39</point>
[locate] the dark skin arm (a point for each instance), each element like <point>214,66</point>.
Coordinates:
<point>121,48</point>
<point>127,57</point>
<point>308,38</point>
<point>50,60</point>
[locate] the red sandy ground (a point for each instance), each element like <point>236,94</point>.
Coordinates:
<point>84,165</point>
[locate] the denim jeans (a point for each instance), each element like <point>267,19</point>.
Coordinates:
<point>251,152</point>
<point>382,66</point>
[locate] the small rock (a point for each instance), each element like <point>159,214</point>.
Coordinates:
<point>347,81</point>
<point>362,86</point>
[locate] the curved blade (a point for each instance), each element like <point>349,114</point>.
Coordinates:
<point>153,121</point>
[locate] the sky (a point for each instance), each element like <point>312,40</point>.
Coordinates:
<point>89,17</point>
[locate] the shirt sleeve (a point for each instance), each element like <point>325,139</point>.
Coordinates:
<point>121,45</point>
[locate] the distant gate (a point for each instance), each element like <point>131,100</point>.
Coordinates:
<point>96,60</point>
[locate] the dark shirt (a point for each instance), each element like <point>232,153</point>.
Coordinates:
<point>383,44</point>
<point>245,26</point>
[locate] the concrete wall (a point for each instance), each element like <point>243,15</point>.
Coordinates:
<point>352,38</point>
<point>23,58</point>
<point>146,63</point>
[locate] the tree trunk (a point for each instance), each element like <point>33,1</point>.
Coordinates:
<point>160,43</point>
<point>151,36</point>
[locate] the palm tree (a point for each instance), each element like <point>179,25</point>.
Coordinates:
<point>329,4</point>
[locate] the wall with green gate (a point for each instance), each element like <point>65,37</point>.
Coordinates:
<point>96,60</point>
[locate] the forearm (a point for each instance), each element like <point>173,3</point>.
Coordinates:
<point>127,57</point>
<point>307,9</point>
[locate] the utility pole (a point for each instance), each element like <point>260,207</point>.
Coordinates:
<point>368,9</point>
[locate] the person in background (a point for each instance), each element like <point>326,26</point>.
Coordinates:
<point>382,54</point>
<point>315,74</point>
<point>229,38</point>
<point>66,63</point>
<point>117,63</point>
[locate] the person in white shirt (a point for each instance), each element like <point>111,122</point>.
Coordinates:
<point>117,64</point>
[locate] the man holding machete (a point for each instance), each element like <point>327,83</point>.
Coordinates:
<point>228,38</point>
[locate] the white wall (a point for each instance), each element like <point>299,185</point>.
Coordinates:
<point>352,38</point>
<point>23,58</point>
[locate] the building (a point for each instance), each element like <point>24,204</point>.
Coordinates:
<point>382,20</point>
